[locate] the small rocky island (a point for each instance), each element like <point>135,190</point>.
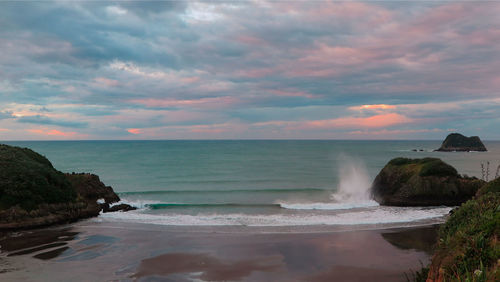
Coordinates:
<point>456,142</point>
<point>33,193</point>
<point>422,182</point>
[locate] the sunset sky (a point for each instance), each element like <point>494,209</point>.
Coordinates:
<point>249,70</point>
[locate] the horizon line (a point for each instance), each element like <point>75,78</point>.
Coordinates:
<point>228,139</point>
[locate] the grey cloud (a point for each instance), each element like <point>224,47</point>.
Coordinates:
<point>38,119</point>
<point>5,114</point>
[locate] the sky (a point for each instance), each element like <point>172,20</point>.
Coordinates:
<point>72,70</point>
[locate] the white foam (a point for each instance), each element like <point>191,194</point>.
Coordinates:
<point>376,215</point>
<point>328,206</point>
<point>140,204</point>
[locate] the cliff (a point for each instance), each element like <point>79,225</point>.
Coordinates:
<point>468,244</point>
<point>422,182</point>
<point>33,193</point>
<point>458,142</point>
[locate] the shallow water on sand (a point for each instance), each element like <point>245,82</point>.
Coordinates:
<point>90,250</point>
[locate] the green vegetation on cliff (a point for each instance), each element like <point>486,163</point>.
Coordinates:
<point>468,248</point>
<point>422,182</point>
<point>33,193</point>
<point>28,179</point>
<point>425,166</point>
<point>492,186</point>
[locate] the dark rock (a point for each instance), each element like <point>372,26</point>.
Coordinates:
<point>422,182</point>
<point>90,187</point>
<point>120,207</point>
<point>457,142</point>
<point>33,193</point>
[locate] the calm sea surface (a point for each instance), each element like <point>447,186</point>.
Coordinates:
<point>253,183</point>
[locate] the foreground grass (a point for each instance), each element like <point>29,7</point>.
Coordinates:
<point>468,247</point>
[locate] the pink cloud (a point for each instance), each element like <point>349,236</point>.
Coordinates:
<point>134,130</point>
<point>53,132</point>
<point>293,93</point>
<point>198,129</point>
<point>374,107</point>
<point>4,129</point>
<point>107,81</point>
<point>439,16</point>
<point>385,132</point>
<point>382,120</point>
<point>250,40</point>
<point>484,37</point>
<point>215,102</point>
<point>361,13</point>
<point>191,79</point>
<point>255,73</point>
<point>186,131</point>
<point>325,54</point>
<point>397,43</point>
<point>376,121</point>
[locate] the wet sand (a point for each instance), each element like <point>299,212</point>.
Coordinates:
<point>98,251</point>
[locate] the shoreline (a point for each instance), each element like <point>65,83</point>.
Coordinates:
<point>88,249</point>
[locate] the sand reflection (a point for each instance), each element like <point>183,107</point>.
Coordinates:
<point>205,267</point>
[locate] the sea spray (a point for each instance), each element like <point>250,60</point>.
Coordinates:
<point>355,182</point>
<point>353,189</point>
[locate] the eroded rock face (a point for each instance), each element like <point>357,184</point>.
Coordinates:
<point>33,193</point>
<point>422,182</point>
<point>456,142</point>
<point>90,187</point>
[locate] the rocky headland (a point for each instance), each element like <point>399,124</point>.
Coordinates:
<point>468,246</point>
<point>33,193</point>
<point>456,142</point>
<point>422,182</point>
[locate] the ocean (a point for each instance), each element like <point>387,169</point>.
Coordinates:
<point>254,183</point>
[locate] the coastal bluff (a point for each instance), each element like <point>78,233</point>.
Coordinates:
<point>468,242</point>
<point>33,193</point>
<point>422,182</point>
<point>456,142</point>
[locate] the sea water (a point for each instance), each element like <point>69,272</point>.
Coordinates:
<point>261,183</point>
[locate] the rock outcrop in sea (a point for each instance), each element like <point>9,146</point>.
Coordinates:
<point>33,193</point>
<point>422,182</point>
<point>456,142</point>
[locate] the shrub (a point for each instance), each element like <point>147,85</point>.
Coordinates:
<point>29,179</point>
<point>469,238</point>
<point>437,167</point>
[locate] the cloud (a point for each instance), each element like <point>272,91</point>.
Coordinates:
<point>39,119</point>
<point>134,130</point>
<point>5,114</point>
<point>373,107</point>
<point>106,81</point>
<point>53,132</point>
<point>212,102</point>
<point>376,121</point>
<point>249,69</point>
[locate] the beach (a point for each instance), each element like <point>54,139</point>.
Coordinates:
<point>235,211</point>
<point>101,251</point>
